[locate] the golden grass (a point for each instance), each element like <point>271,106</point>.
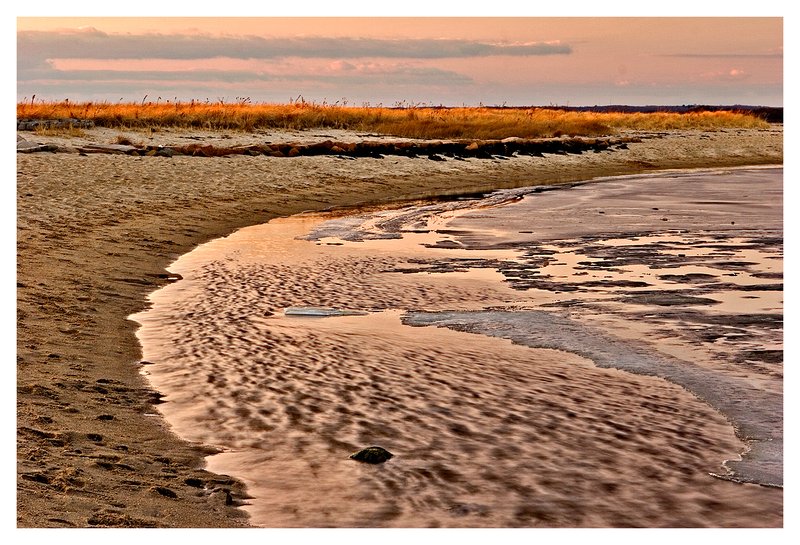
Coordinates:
<point>412,122</point>
<point>60,131</point>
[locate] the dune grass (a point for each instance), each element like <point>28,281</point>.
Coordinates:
<point>410,122</point>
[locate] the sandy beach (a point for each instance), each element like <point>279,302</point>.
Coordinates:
<point>96,231</point>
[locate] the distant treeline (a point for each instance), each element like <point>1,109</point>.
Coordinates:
<point>769,114</point>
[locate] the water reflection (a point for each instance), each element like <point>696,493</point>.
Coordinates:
<point>487,432</point>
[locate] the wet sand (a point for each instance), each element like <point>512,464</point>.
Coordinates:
<point>94,236</point>
<point>485,433</point>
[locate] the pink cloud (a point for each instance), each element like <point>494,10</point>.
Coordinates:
<point>731,74</point>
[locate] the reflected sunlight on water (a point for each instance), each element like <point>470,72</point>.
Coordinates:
<point>543,431</point>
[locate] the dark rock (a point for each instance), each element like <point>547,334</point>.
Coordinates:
<point>25,146</point>
<point>33,124</point>
<point>372,455</point>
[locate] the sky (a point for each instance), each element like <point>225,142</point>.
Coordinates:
<point>517,60</point>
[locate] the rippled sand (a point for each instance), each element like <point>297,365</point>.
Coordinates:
<point>485,432</point>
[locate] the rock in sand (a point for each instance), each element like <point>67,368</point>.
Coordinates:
<point>372,455</point>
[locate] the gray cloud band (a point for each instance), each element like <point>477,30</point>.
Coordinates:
<point>34,47</point>
<point>431,76</point>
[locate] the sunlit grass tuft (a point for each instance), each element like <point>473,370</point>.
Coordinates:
<point>409,122</point>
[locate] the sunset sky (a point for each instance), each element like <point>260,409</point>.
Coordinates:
<point>390,60</point>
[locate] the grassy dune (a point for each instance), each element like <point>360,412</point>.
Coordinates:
<point>412,122</point>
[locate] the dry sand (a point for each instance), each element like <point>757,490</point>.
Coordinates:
<point>94,236</point>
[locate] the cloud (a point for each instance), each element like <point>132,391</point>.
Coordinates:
<point>34,47</point>
<point>341,66</point>
<point>339,73</point>
<point>46,58</point>
<point>731,74</point>
<point>773,55</point>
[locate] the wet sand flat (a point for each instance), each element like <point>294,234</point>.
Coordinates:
<point>485,433</point>
<point>94,236</point>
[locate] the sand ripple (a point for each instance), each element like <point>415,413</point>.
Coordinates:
<point>485,432</point>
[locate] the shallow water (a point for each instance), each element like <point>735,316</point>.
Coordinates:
<point>533,421</point>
